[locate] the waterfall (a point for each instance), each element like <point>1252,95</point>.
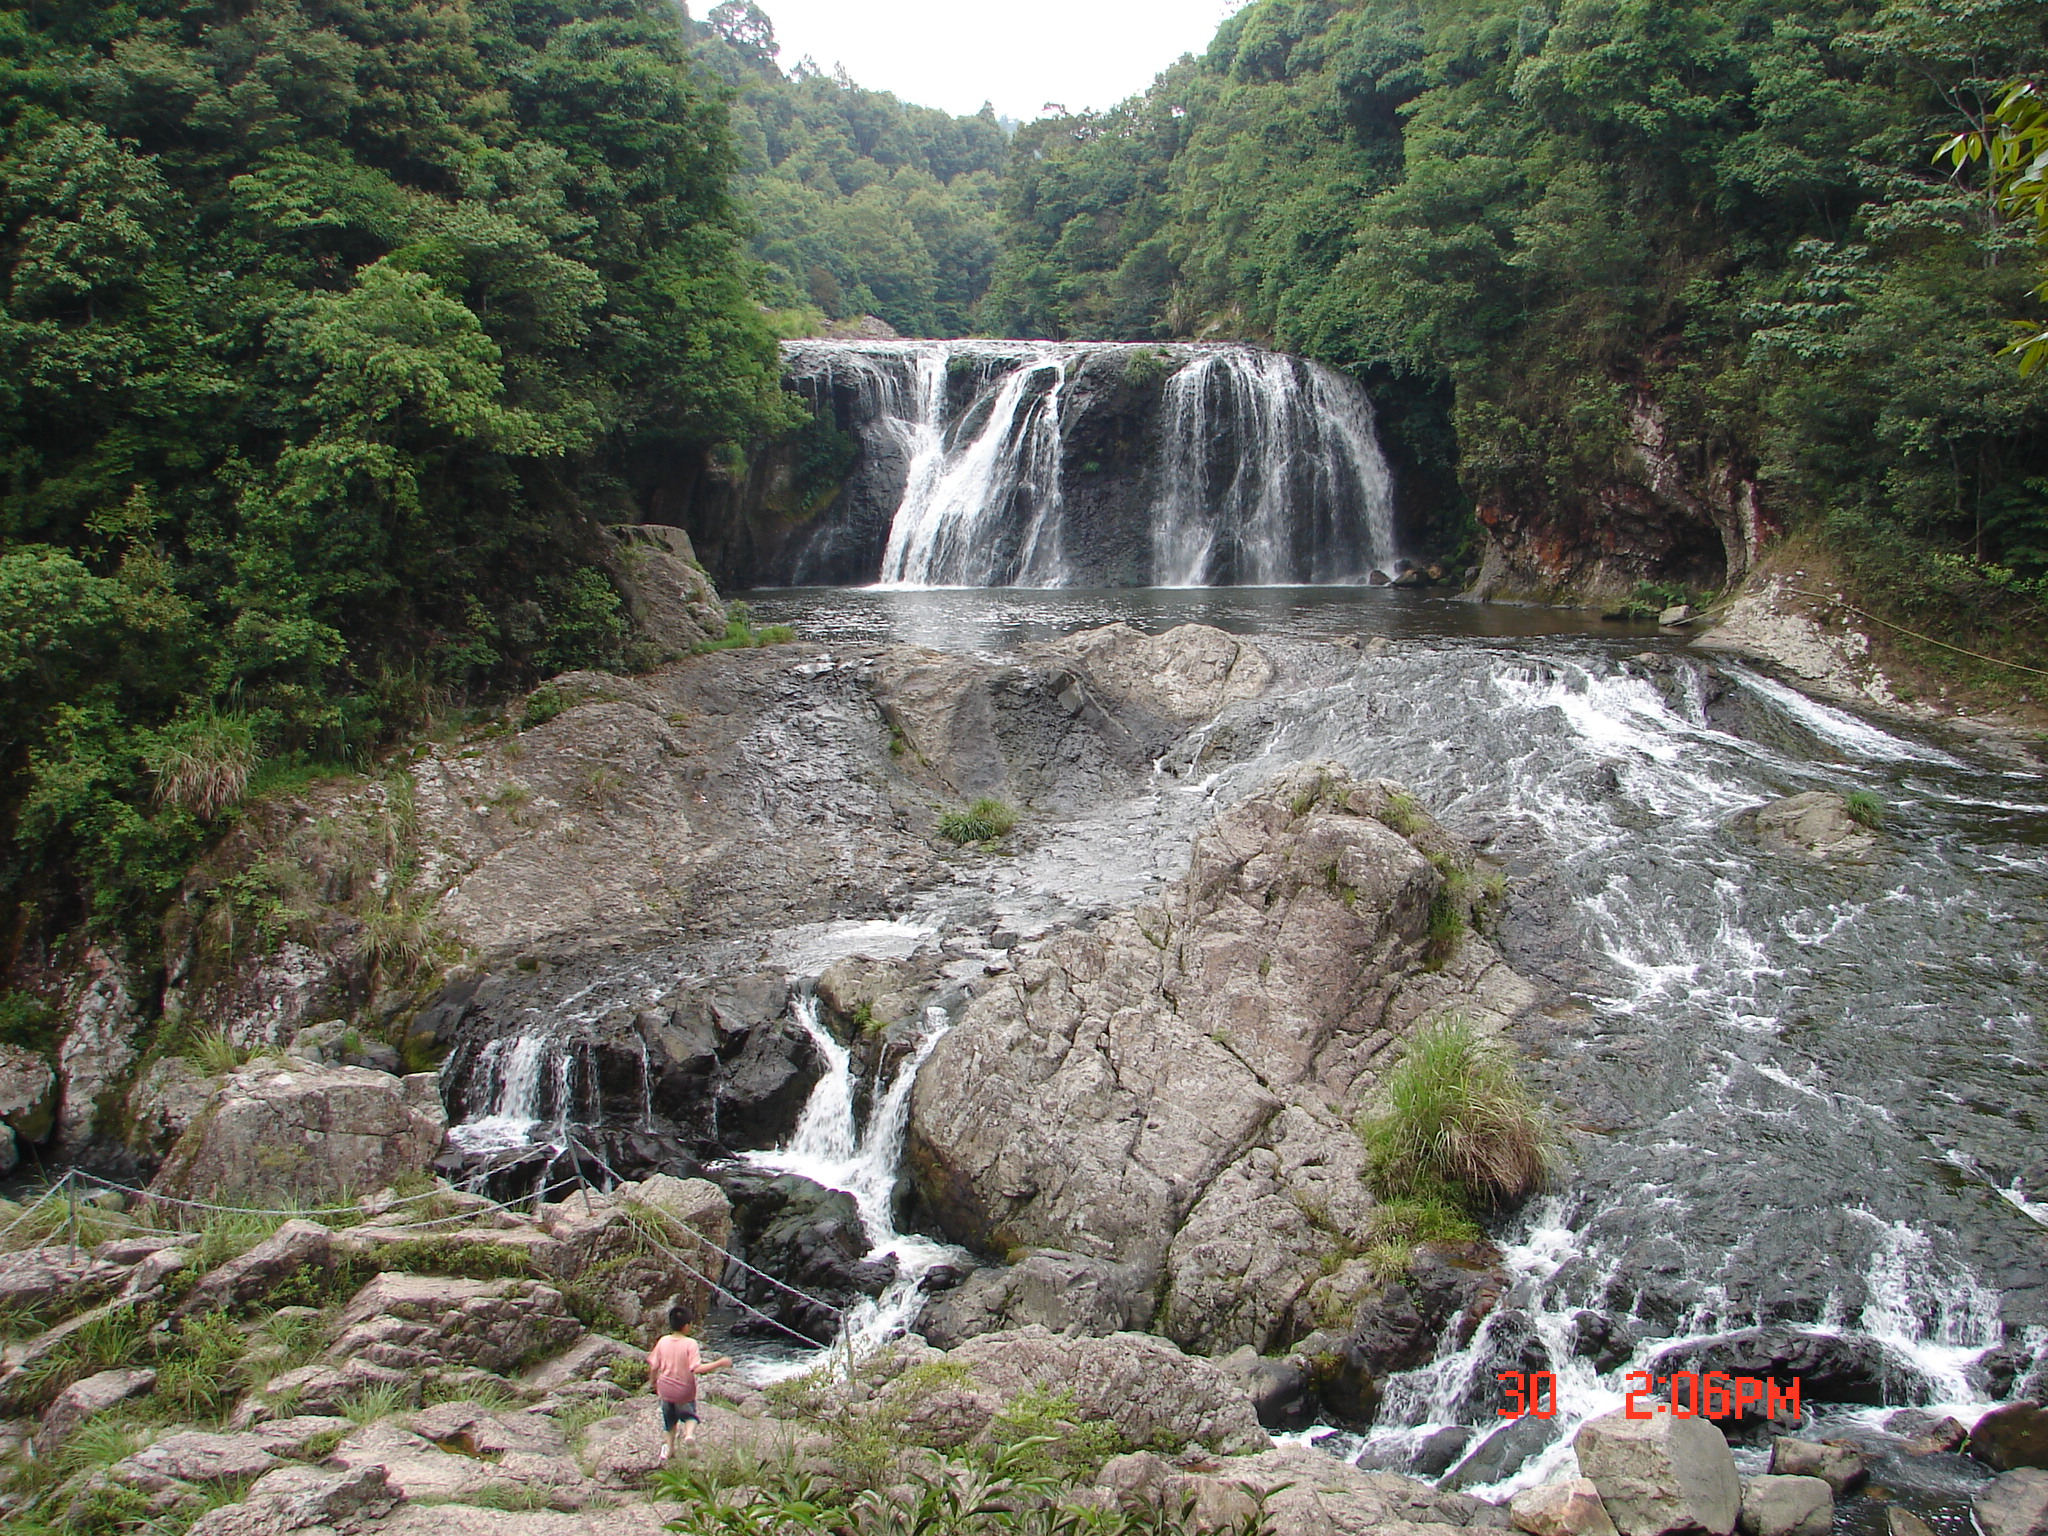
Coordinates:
<point>829,1149</point>
<point>1301,494</point>
<point>1040,464</point>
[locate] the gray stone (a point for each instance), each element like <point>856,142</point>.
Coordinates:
<point>1282,1392</point>
<point>195,1456</point>
<point>82,1399</point>
<point>97,1048</point>
<point>35,1277</point>
<point>28,1095</point>
<point>292,1247</point>
<point>1899,1521</point>
<point>588,1357</point>
<point>409,1322</point>
<point>1787,1506</point>
<point>596,1234</point>
<point>1841,1467</point>
<point>1144,1385</point>
<point>2013,1504</point>
<point>1816,823</point>
<point>1661,1474</point>
<point>303,1498</point>
<point>1570,1508</point>
<point>284,1130</point>
<point>1149,1091</point>
<point>1061,1291</point>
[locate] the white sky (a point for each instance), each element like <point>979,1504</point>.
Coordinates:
<point>956,54</point>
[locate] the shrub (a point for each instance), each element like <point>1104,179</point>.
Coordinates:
<point>542,705</point>
<point>1458,1125</point>
<point>982,822</point>
<point>203,763</point>
<point>1865,809</point>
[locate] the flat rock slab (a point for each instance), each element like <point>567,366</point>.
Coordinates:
<point>1661,1475</point>
<point>195,1456</point>
<point>83,1399</point>
<point>38,1275</point>
<point>2013,1504</point>
<point>624,1450</point>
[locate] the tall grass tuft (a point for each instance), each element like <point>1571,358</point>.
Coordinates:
<point>982,822</point>
<point>1458,1125</point>
<point>203,762</point>
<point>1864,808</point>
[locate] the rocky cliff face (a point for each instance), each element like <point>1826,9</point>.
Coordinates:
<point>1661,516</point>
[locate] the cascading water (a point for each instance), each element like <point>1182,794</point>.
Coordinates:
<point>831,1148</point>
<point>1272,475</point>
<point>1018,464</point>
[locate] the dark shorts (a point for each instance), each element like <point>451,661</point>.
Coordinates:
<point>673,1414</point>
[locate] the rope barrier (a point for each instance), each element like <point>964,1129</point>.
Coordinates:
<point>1913,633</point>
<point>805,1339</point>
<point>42,1201</point>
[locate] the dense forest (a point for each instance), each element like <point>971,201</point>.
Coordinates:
<point>861,204</point>
<point>331,332</point>
<point>1527,225</point>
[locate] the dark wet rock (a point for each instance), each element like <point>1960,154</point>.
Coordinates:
<point>1397,1327</point>
<point>1926,1434</point>
<point>1282,1391</point>
<point>807,1236</point>
<point>1067,1292</point>
<point>1602,1339</point>
<point>2013,1435</point>
<point>1832,1368</point>
<point>1503,1452</point>
<point>1441,1451</point>
<point>2000,1370</point>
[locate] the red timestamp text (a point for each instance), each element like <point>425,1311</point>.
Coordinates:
<point>1716,1395</point>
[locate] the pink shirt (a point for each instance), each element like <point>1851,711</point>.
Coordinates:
<point>674,1361</point>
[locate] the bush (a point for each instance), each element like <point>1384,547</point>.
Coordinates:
<point>982,822</point>
<point>1865,809</point>
<point>1458,1126</point>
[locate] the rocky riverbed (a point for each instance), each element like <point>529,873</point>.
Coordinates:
<point>671,986</point>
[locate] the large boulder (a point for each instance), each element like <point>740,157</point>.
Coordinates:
<point>812,1240</point>
<point>298,1498</point>
<point>1662,1474</point>
<point>673,604</point>
<point>1830,1367</point>
<point>1143,1385</point>
<point>284,1130</point>
<point>2012,1435</point>
<point>171,1093</point>
<point>643,1246</point>
<point>1147,1091</point>
<point>411,1322</point>
<point>74,1277</point>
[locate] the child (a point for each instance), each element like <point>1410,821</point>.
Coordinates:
<point>673,1366</point>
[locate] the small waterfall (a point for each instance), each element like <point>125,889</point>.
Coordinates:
<point>528,1081</point>
<point>828,1148</point>
<point>1032,464</point>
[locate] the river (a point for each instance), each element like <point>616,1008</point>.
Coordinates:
<point>1796,1092</point>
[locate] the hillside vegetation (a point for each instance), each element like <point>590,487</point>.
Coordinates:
<point>330,334</point>
<point>1534,228</point>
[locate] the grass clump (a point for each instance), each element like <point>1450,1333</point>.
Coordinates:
<point>214,1052</point>
<point>1458,1127</point>
<point>982,822</point>
<point>1865,809</point>
<point>741,633</point>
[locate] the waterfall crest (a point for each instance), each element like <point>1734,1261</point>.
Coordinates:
<point>1052,464</point>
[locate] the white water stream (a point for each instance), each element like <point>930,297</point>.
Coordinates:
<point>831,1147</point>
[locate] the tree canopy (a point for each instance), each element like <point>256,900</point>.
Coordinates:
<point>329,331</point>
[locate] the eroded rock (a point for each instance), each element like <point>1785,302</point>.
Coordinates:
<point>283,1130</point>
<point>2013,1504</point>
<point>1571,1508</point>
<point>1841,1467</point>
<point>83,1399</point>
<point>409,1322</point>
<point>2012,1435</point>
<point>1816,823</point>
<point>1787,1506</point>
